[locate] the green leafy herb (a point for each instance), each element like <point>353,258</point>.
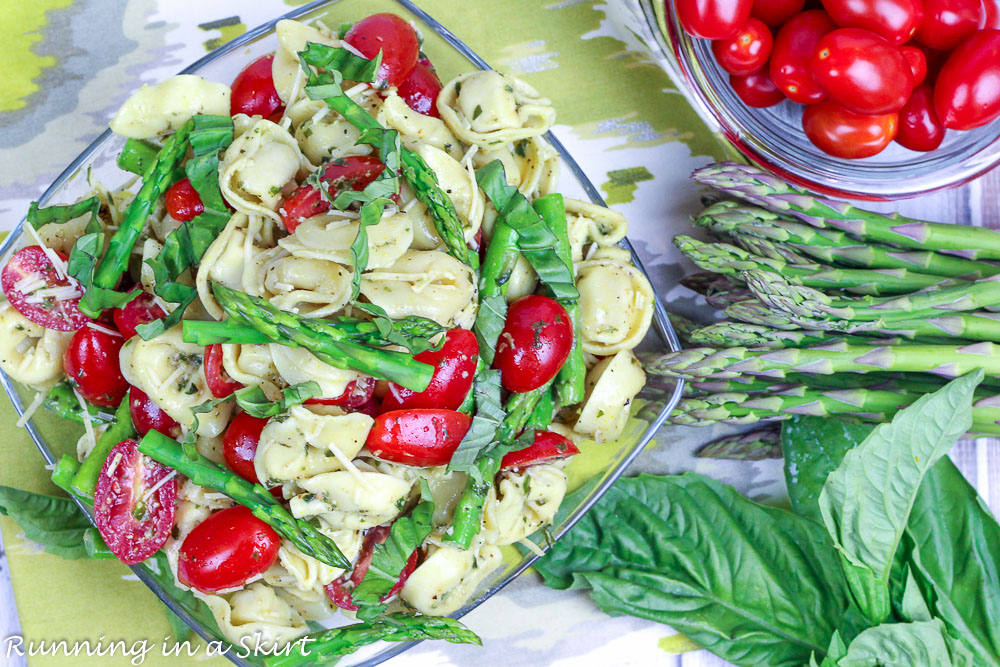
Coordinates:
<point>486,421</point>
<point>923,643</point>
<point>255,402</point>
<point>84,258</point>
<point>56,524</point>
<point>866,501</point>
<point>37,217</point>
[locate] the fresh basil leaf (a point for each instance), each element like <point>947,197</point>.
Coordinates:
<point>923,643</point>
<point>490,321</point>
<point>412,332</point>
<point>255,402</point>
<point>953,548</point>
<point>62,214</point>
<point>83,260</point>
<point>56,524</point>
<point>755,585</point>
<point>912,606</point>
<point>866,501</point>
<point>486,421</point>
<point>339,64</point>
<point>813,447</point>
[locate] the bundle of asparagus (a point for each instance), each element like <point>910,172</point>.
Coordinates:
<point>832,310</point>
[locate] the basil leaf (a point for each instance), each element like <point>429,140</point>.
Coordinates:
<point>412,332</point>
<point>255,402</point>
<point>486,421</point>
<point>62,214</point>
<point>755,585</point>
<point>56,524</point>
<point>953,548</point>
<point>866,501</point>
<point>813,447</point>
<point>922,643</point>
<point>83,260</point>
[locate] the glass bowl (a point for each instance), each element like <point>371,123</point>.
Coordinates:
<point>773,137</point>
<point>451,57</point>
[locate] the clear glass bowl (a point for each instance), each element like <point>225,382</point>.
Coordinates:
<point>451,57</point>
<point>773,137</point>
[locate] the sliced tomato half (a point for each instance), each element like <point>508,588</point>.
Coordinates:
<point>547,447</point>
<point>40,292</point>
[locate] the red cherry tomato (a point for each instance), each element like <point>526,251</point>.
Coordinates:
<point>919,127</point>
<point>794,47</point>
<point>967,91</point>
<point>27,280</point>
<point>917,60</point>
<point>845,134</point>
<point>775,12</point>
<point>948,22</point>
<point>547,447</point>
<point>141,310</point>
<point>745,52</point>
<point>253,90</point>
<point>862,71</point>
<point>757,90</point>
<point>534,344</point>
<point>420,90</point>
<point>356,393</point>
<point>454,370</point>
<point>991,15</point>
<point>183,201</point>
<point>134,520</point>
<point>91,363</point>
<point>239,445</point>
<point>424,437</point>
<point>148,416</point>
<point>713,19</point>
<point>216,377</point>
<point>391,35</point>
<point>896,20</point>
<point>349,173</point>
<point>226,549</point>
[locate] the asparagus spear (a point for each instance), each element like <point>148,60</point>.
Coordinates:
<point>569,385</point>
<point>356,330</point>
<point>942,360</point>
<point>737,334</point>
<point>727,259</point>
<point>137,156</point>
<point>758,187</point>
<point>85,481</point>
<point>501,256</point>
<point>62,400</point>
<point>762,443</point>
<point>833,246</point>
<point>750,384</point>
<point>770,249</point>
<point>327,344</point>
<point>264,506</point>
<point>720,291</point>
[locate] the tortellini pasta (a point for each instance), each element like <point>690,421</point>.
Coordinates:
<point>487,108</point>
<point>171,373</point>
<point>330,236</point>
<point>416,129</point>
<point>589,223</point>
<point>611,386</point>
<point>30,353</point>
<point>448,577</point>
<point>460,185</point>
<point>303,444</point>
<point>616,303</point>
<point>256,612</point>
<point>292,38</point>
<point>296,365</point>
<point>521,503</point>
<point>295,569</point>
<point>252,365</point>
<point>312,287</point>
<point>426,283</point>
<point>351,499</point>
<point>153,110</point>
<point>234,259</point>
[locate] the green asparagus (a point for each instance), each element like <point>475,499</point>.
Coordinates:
<point>740,334</point>
<point>498,264</point>
<point>759,187</point>
<point>62,400</point>
<point>137,156</point>
<point>756,445</point>
<point>265,507</point>
<point>85,481</point>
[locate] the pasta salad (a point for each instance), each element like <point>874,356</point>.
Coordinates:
<point>334,342</point>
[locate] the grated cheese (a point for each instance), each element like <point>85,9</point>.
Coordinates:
<point>88,427</point>
<point>103,329</point>
<point>60,293</point>
<point>156,487</point>
<point>350,49</point>
<point>57,262</point>
<point>466,160</point>
<point>320,115</point>
<point>36,403</point>
<point>29,284</point>
<point>114,464</point>
<point>531,546</point>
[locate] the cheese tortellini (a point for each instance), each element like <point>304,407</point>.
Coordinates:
<point>426,283</point>
<point>611,386</point>
<point>329,237</point>
<point>256,612</point>
<point>522,502</point>
<point>351,499</point>
<point>616,303</point>
<point>448,577</point>
<point>153,110</point>
<point>29,353</point>
<point>487,108</point>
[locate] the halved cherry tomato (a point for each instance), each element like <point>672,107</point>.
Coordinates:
<point>713,19</point>
<point>148,416</point>
<point>134,520</point>
<point>547,446</point>
<point>794,47</point>
<point>91,364</point>
<point>454,370</point>
<point>239,445</point>
<point>357,393</point>
<point>141,310</point>
<point>226,549</point>
<point>338,593</point>
<point>919,126</point>
<point>183,201</point>
<point>216,377</point>
<point>843,133</point>
<point>896,20</point>
<point>775,12</point>
<point>757,90</point>
<point>947,22</point>
<point>862,71</point>
<point>253,90</point>
<point>27,279</point>
<point>422,437</point>
<point>991,15</point>
<point>349,173</point>
<point>745,52</point>
<point>917,60</point>
<point>391,35</point>
<point>420,90</point>
<point>967,91</point>
<point>534,344</point>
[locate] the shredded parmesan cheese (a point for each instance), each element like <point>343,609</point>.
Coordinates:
<point>156,487</point>
<point>29,284</point>
<point>347,47</point>
<point>114,464</point>
<point>103,329</point>
<point>88,427</point>
<point>36,402</point>
<point>531,546</point>
<point>53,257</point>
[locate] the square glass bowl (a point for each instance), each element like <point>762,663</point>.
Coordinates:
<point>773,138</point>
<point>451,57</point>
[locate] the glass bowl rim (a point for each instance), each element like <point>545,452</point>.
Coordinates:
<point>661,325</point>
